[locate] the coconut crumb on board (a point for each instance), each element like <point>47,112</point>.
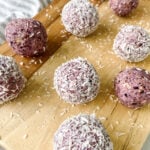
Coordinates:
<point>118,134</point>
<point>21,63</point>
<point>100,65</point>
<point>141,126</point>
<point>14,115</point>
<point>11,115</point>
<point>111,126</point>
<point>136,125</point>
<point>73,105</point>
<point>117,122</point>
<point>65,110</point>
<point>102,118</point>
<point>40,104</point>
<point>96,109</point>
<point>50,6</point>
<point>25,136</point>
<point>40,61</point>
<point>26,66</point>
<point>129,113</point>
<point>37,111</point>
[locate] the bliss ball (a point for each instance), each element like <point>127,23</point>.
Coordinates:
<point>132,86</point>
<point>12,80</point>
<point>80,17</point>
<point>76,81</point>
<point>82,132</point>
<point>123,7</point>
<point>27,37</point>
<point>132,43</point>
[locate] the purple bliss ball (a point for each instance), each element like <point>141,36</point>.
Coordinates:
<point>123,7</point>
<point>80,17</point>
<point>132,43</point>
<point>82,132</point>
<point>12,80</point>
<point>76,81</point>
<point>132,86</point>
<point>27,37</point>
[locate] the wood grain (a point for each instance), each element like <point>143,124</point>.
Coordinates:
<point>30,121</point>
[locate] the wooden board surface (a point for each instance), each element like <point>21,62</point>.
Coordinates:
<point>29,122</point>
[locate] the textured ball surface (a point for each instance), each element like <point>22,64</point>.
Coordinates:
<point>132,43</point>
<point>123,7</point>
<point>132,87</point>
<point>27,37</point>
<point>82,132</point>
<point>80,17</point>
<point>76,81</point>
<point>12,81</point>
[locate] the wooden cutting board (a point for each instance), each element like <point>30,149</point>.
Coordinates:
<point>30,121</point>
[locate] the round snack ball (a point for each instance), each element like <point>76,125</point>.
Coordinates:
<point>80,17</point>
<point>27,37</point>
<point>76,81</point>
<point>123,7</point>
<point>132,86</point>
<point>132,43</point>
<point>82,132</point>
<point>12,81</point>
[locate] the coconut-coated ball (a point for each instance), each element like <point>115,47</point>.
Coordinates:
<point>80,17</point>
<point>27,37</point>
<point>123,7</point>
<point>132,86</point>
<point>76,81</point>
<point>132,43</point>
<point>82,132</point>
<point>12,80</point>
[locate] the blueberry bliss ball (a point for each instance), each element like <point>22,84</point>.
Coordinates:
<point>123,7</point>
<point>132,86</point>
<point>27,37</point>
<point>82,132</point>
<point>12,81</point>
<point>76,81</point>
<point>80,17</point>
<point>132,43</point>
